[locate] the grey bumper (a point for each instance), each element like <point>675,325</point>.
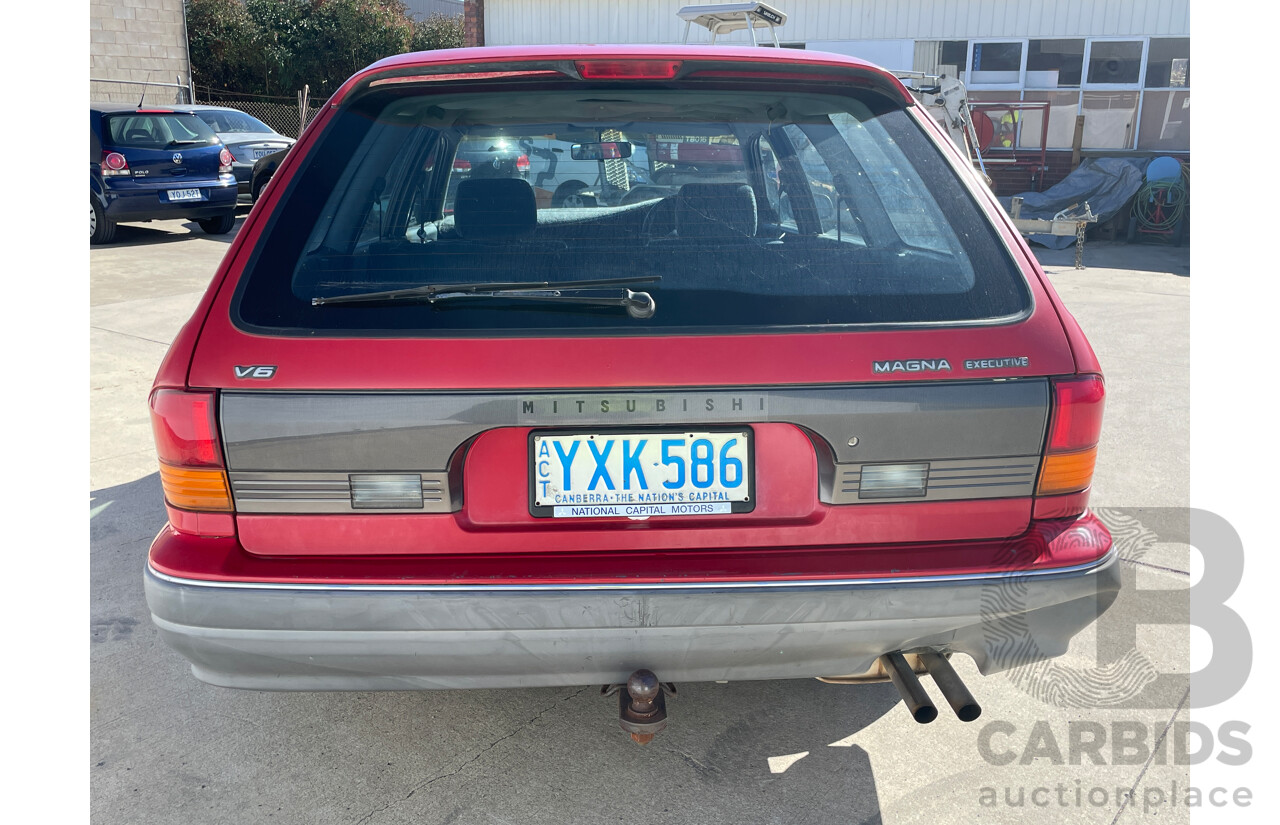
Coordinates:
<point>290,637</point>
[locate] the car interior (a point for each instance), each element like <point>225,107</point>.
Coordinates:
<point>790,209</point>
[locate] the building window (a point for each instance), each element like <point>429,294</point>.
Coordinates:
<point>1054,63</point>
<point>1133,94</point>
<point>1115,62</point>
<point>1062,120</point>
<point>1169,63</point>
<point>996,63</point>
<point>952,57</point>
<point>1166,121</point>
<point>1165,124</point>
<point>1109,119</point>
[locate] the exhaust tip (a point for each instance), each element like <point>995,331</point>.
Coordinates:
<point>925,714</point>
<point>909,688</point>
<point>948,681</point>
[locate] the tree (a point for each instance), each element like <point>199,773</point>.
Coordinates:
<point>437,32</point>
<point>224,42</point>
<point>273,47</point>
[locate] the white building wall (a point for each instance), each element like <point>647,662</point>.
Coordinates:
<point>525,22</point>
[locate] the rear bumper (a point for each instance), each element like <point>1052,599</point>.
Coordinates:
<point>274,636</point>
<point>141,203</point>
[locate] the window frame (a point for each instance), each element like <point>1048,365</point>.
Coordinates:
<point>1085,85</point>
<point>996,87</point>
<point>1021,88</point>
<point>1084,66</point>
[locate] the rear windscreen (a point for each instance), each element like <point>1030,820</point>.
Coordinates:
<point>228,121</point>
<point>137,130</point>
<point>727,209</point>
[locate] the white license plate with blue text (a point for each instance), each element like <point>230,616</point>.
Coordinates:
<point>184,194</point>
<point>641,474</point>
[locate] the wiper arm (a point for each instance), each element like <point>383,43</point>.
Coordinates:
<point>183,143</point>
<point>588,293</point>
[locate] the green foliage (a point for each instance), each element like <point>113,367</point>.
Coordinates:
<point>225,51</point>
<point>273,47</point>
<point>437,32</point>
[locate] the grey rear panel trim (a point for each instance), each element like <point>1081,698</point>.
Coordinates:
<point>281,446</point>
<point>952,480</point>
<point>288,492</point>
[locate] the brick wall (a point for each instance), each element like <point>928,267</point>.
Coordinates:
<point>137,40</point>
<point>473,23</point>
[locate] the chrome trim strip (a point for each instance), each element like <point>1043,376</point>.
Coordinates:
<point>907,581</point>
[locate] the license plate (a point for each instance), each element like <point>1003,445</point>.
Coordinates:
<point>184,194</point>
<point>258,154</point>
<point>641,474</point>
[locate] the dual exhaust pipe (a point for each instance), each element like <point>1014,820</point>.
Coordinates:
<point>944,676</point>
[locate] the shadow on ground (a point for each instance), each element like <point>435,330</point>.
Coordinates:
<point>140,234</point>
<point>166,747</point>
<point>1160,258</point>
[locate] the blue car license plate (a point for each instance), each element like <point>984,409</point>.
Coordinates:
<point>603,474</point>
<point>184,195</point>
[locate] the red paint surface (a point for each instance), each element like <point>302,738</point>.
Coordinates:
<point>1048,544</point>
<point>495,539</point>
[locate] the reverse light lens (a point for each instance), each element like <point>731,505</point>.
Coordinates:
<point>386,491</point>
<point>628,69</point>
<point>202,490</point>
<point>893,480</point>
<point>185,430</point>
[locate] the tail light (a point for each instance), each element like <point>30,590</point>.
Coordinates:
<point>522,163</point>
<point>1075,426</point>
<point>192,472</point>
<point>462,166</point>
<point>114,164</point>
<point>224,161</point>
<point>628,69</point>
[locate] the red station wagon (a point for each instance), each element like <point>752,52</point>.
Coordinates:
<point>787,397</point>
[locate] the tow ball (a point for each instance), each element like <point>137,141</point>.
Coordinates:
<point>642,704</point>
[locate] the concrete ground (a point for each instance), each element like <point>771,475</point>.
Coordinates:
<point>166,748</point>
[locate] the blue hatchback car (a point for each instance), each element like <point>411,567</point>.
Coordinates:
<point>156,163</point>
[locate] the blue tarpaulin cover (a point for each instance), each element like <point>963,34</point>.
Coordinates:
<point>1106,183</point>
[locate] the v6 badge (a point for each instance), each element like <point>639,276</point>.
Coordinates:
<point>256,371</point>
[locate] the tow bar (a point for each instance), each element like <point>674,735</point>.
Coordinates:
<point>642,706</point>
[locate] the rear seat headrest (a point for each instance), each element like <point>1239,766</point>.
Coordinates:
<point>716,210</point>
<point>494,208</point>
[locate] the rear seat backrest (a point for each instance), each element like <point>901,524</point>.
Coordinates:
<point>716,211</point>
<point>494,209</point>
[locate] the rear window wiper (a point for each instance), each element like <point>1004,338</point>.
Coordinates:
<point>184,142</point>
<point>597,292</point>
